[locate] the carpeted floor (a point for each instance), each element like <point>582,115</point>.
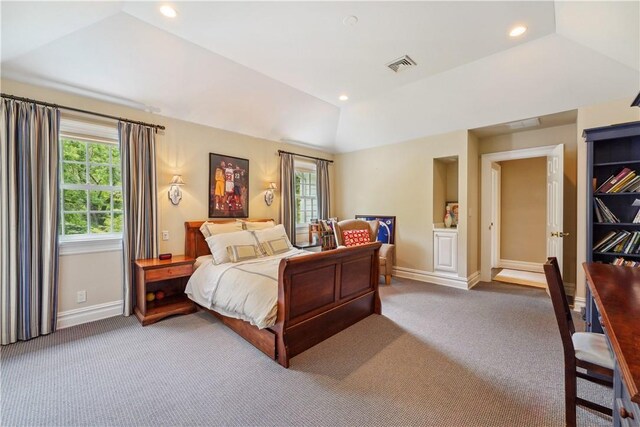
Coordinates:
<point>437,357</point>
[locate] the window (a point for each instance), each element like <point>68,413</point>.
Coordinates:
<point>90,183</point>
<point>306,195</point>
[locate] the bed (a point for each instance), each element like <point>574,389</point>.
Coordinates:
<point>318,295</point>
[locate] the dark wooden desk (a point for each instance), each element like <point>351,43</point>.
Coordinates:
<point>616,291</point>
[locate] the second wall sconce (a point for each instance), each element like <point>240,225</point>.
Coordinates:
<point>175,193</point>
<point>269,194</point>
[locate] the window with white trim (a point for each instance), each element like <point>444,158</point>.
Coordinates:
<point>90,182</point>
<point>306,193</point>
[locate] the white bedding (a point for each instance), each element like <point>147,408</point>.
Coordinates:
<point>245,290</point>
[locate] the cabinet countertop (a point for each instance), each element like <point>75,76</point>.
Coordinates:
<point>616,290</point>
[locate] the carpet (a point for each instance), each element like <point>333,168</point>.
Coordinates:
<point>437,356</point>
<point>527,278</point>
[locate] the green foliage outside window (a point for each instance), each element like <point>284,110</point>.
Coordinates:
<point>91,188</point>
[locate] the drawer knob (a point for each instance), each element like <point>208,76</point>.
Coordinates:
<point>624,413</point>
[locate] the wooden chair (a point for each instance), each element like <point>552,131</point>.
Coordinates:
<point>586,350</point>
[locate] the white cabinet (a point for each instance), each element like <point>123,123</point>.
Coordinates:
<point>445,251</point>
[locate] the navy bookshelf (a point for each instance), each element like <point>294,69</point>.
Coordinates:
<point>609,150</point>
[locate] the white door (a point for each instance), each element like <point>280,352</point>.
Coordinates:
<point>495,214</point>
<point>555,177</point>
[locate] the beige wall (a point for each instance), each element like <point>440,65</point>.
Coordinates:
<point>452,181</point>
<point>183,148</point>
<point>440,187</point>
<point>609,113</point>
<point>398,180</point>
<point>523,201</point>
<point>566,135</point>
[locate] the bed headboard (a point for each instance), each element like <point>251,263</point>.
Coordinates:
<point>194,243</point>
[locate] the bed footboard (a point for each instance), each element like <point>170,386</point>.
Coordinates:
<point>322,294</point>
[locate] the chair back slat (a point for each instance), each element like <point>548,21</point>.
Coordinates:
<point>560,305</point>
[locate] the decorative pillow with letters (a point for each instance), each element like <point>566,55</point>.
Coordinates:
<point>355,237</point>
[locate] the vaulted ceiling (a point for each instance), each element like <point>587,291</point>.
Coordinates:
<point>276,69</point>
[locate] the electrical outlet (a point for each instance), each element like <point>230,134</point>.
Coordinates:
<point>165,235</point>
<point>81,296</point>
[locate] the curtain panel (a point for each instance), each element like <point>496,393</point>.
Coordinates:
<point>139,192</point>
<point>288,195</point>
<point>322,187</point>
<point>29,197</point>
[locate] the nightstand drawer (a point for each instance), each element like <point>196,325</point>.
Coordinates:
<point>170,272</point>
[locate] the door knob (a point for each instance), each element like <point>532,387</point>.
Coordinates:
<point>559,234</point>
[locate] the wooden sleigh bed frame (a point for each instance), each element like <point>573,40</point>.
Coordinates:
<point>319,295</point>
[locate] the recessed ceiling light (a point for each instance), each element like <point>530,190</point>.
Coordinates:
<point>518,31</point>
<point>168,11</point>
<point>343,98</point>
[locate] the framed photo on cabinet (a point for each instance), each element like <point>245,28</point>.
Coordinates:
<point>228,186</point>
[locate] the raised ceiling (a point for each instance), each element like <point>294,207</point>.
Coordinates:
<point>275,69</point>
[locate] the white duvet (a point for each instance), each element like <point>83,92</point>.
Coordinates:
<point>245,290</point>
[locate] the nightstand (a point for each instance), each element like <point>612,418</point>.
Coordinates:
<point>169,276</point>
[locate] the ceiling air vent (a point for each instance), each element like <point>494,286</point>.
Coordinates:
<point>401,64</point>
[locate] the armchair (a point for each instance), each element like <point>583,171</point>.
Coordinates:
<point>387,251</point>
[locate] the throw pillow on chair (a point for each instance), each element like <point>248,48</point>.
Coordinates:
<point>355,237</point>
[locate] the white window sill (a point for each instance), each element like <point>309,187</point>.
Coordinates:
<point>71,246</point>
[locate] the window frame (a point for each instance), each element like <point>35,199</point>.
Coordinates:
<point>306,168</point>
<point>88,132</point>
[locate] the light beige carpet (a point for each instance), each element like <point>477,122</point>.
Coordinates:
<point>518,277</point>
<point>438,356</point>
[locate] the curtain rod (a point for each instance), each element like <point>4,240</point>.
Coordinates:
<point>302,155</point>
<point>78,110</point>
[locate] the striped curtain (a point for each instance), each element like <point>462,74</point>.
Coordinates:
<point>288,195</point>
<point>322,186</point>
<point>139,190</point>
<point>29,174</point>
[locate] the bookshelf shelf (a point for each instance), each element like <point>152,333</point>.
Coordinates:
<point>618,224</point>
<point>621,162</point>
<point>618,254</point>
<point>612,152</point>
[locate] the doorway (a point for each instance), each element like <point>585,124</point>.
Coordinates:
<point>490,214</point>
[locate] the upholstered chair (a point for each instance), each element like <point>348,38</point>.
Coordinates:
<point>387,251</point>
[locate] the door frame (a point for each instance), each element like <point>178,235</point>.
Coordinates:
<point>496,203</point>
<point>487,195</point>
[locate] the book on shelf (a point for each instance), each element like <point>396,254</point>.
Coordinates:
<point>626,263</point>
<point>636,219</point>
<point>613,180</point>
<point>631,186</point>
<point>623,182</point>
<point>603,213</point>
<point>611,240</point>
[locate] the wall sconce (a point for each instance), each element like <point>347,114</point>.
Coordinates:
<point>268,195</point>
<point>175,194</point>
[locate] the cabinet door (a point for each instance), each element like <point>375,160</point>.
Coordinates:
<point>445,251</point>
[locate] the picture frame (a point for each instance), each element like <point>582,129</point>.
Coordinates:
<point>453,206</point>
<point>386,229</point>
<point>228,186</point>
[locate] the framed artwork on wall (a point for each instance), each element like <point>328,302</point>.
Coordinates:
<point>228,186</point>
<point>386,229</point>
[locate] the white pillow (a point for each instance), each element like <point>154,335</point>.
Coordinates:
<point>218,244</point>
<point>273,233</point>
<point>204,230</point>
<point>202,260</point>
<point>252,226</point>
<point>227,227</point>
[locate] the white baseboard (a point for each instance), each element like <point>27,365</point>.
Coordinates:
<point>444,279</point>
<point>535,267</point>
<point>579,303</point>
<point>92,313</point>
